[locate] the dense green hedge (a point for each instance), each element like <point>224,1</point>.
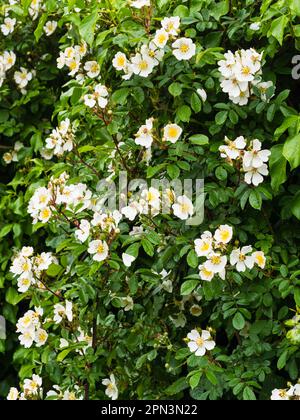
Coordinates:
<point>125,311</point>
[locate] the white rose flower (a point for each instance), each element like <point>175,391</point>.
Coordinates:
<point>241,260</point>
<point>200,344</point>
<point>50,27</point>
<point>111,387</point>
<point>184,49</point>
<point>99,250</point>
<point>172,132</point>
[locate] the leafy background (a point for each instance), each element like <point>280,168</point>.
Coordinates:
<point>249,317</point>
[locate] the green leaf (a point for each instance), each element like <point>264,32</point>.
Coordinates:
<point>238,321</point>
<point>211,377</point>
<point>54,270</point>
<point>88,25</point>
<point>199,139</point>
<point>5,230</point>
<point>148,247</point>
<point>195,379</point>
<point>184,113</point>
<point>291,151</point>
<point>248,394</point>
<point>192,259</point>
<point>255,199</point>
<point>295,206</point>
<point>177,386</point>
<point>297,296</point>
<point>13,297</point>
<point>40,28</point>
<point>188,286</point>
<point>278,27</point>
<point>175,89</point>
<point>282,360</point>
<point>277,164</point>
<point>63,354</point>
<point>173,171</point>
<point>196,103</point>
<point>120,96</point>
<point>221,117</point>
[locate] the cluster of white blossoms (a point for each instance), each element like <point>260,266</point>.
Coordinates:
<point>61,139</point>
<point>214,249</point>
<point>150,55</point>
<point>32,390</point>
<point>291,393</point>
<point>82,337</point>
<point>198,343</point>
<point>111,387</point>
<point>44,202</point>
<point>254,159</point>
<point>145,135</point>
<point>29,268</point>
<point>71,57</point>
<point>97,98</point>
<point>29,328</point>
<point>68,395</point>
<point>7,61</point>
<point>240,72</point>
<point>12,155</point>
<point>152,201</point>
<point>8,26</point>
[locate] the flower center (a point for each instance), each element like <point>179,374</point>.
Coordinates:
<point>215,260</point>
<point>184,48</point>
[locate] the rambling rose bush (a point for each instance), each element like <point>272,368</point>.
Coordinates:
<point>115,281</point>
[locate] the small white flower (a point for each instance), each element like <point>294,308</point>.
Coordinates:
<point>8,158</point>
<point>100,94</point>
<point>13,394</point>
<point>61,311</point>
<point>111,387</point>
<point>27,338</point>
<point>8,26</point>
<point>233,149</point>
<point>127,259</point>
<point>172,132</point>
<point>24,282</point>
<point>171,25</point>
<point>184,49</point>
<point>256,157</point>
<point>200,344</point>
<point>259,259</point>
<point>203,246</point>
<point>92,68</point>
<point>223,234</point>
<point>50,27</point>
<point>9,59</point>
<point>142,65</point>
<point>279,395</point>
<point>144,136</point>
<point>120,61</point>
<point>41,337</point>
<point>127,303</point>
<point>138,4</point>
<point>183,208</point>
<point>99,250</point>
<point>22,77</point>
<point>83,232</point>
<point>205,274</point>
<point>241,260</point>
<point>255,176</point>
<point>161,38</point>
<point>216,263</point>
<point>89,100</point>
<point>32,386</point>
